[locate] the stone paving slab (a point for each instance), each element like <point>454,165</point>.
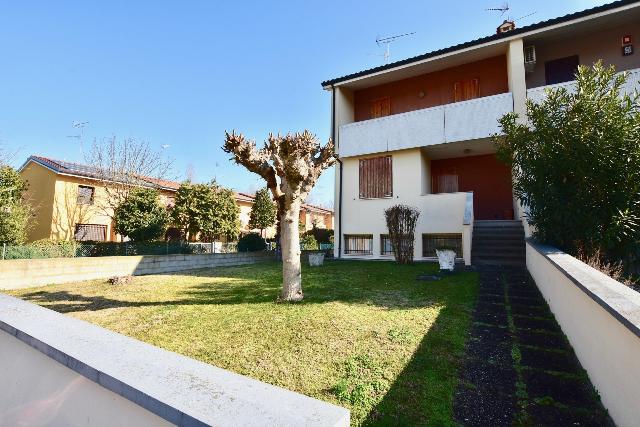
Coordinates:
<point>519,368</point>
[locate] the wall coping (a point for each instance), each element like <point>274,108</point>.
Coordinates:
<point>622,302</point>
<point>177,388</point>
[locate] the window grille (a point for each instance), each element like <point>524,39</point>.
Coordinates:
<point>92,232</point>
<point>431,242</point>
<point>358,244</point>
<point>385,245</point>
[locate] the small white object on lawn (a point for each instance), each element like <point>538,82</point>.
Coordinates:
<point>446,259</point>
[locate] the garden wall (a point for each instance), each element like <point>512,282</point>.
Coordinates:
<point>23,273</point>
<point>601,319</point>
<point>58,370</point>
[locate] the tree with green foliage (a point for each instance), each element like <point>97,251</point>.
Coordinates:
<point>576,164</point>
<point>15,215</point>
<point>141,217</point>
<point>263,211</point>
<point>207,211</point>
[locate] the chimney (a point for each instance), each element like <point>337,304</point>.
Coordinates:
<point>506,26</point>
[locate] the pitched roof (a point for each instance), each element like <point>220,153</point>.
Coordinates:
<point>92,172</point>
<point>483,40</point>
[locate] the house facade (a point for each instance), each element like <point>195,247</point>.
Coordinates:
<point>68,201</point>
<point>419,131</point>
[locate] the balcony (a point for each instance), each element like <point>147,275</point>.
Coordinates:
<point>460,121</point>
<point>538,94</point>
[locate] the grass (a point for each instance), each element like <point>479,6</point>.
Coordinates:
<point>367,336</point>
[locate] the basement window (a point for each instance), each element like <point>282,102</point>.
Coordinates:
<point>358,244</point>
<point>385,245</point>
<point>431,242</point>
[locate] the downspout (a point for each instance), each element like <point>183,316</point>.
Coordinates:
<point>333,138</point>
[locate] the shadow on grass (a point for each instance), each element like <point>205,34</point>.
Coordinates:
<point>422,394</point>
<point>383,285</point>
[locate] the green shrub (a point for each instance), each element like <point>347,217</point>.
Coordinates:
<point>322,235</point>
<point>309,243</point>
<point>576,166</point>
<point>251,242</point>
<point>44,248</point>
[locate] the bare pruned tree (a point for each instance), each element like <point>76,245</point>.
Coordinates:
<point>290,165</point>
<point>401,222</point>
<point>125,164</point>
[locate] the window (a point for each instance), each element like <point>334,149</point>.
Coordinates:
<point>375,178</point>
<point>431,242</point>
<point>446,183</point>
<point>85,195</point>
<point>385,245</point>
<point>93,232</point>
<point>561,70</point>
<point>380,108</point>
<point>358,244</point>
<point>465,90</point>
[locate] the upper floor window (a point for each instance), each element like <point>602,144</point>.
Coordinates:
<point>376,178</point>
<point>85,195</point>
<point>380,107</point>
<point>466,89</point>
<point>561,70</point>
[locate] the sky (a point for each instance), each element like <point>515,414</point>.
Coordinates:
<point>180,73</point>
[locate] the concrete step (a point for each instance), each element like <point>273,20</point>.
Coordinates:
<point>497,224</point>
<point>494,262</point>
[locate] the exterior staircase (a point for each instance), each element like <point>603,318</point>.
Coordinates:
<point>498,243</point>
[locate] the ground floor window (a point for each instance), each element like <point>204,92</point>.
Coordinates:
<point>358,244</point>
<point>92,232</point>
<point>431,242</point>
<point>385,245</point>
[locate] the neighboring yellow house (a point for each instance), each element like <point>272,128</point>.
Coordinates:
<point>68,202</point>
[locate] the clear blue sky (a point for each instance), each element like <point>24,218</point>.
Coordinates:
<point>180,73</point>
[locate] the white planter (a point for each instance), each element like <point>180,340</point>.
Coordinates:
<point>316,259</point>
<point>446,259</point>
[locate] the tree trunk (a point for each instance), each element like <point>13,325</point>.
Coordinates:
<point>290,242</point>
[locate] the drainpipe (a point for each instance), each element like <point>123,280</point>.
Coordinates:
<point>333,138</point>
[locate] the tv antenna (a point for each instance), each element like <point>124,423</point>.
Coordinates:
<point>386,41</point>
<point>80,136</point>
<point>502,9</point>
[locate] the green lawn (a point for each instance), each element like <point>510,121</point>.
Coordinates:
<point>368,336</point>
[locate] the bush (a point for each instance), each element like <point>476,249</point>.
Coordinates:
<point>251,242</point>
<point>401,223</point>
<point>576,166</point>
<point>44,248</point>
<point>322,235</point>
<point>96,249</point>
<point>309,243</point>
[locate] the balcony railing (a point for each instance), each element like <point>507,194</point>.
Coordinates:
<point>460,121</point>
<point>537,94</point>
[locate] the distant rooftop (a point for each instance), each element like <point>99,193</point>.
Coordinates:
<point>87,171</point>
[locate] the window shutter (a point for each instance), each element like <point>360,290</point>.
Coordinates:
<point>376,178</point>
<point>466,89</point>
<point>380,108</point>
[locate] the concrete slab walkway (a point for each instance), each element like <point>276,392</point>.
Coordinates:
<point>519,369</point>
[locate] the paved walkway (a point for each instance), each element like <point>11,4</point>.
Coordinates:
<point>519,369</point>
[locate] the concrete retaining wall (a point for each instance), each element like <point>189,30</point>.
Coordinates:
<point>24,273</point>
<point>58,370</point>
<point>601,319</point>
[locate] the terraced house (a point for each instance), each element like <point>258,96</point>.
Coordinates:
<point>68,203</point>
<point>418,131</point>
